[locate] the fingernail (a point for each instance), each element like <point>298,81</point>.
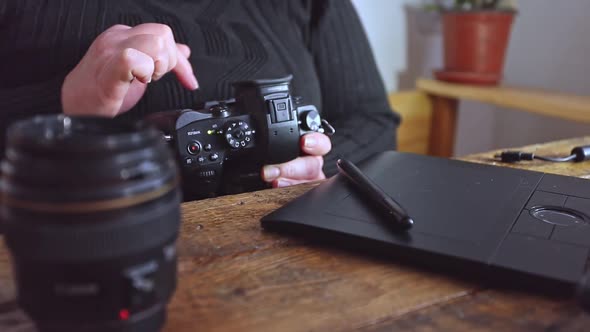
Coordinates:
<point>156,76</point>
<point>310,142</point>
<point>282,183</point>
<point>271,172</point>
<point>194,83</point>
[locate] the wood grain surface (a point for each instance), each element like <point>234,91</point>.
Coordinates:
<point>234,276</point>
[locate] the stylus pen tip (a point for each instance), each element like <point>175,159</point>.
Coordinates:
<point>407,223</point>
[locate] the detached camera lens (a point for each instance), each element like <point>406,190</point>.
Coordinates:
<point>91,212</point>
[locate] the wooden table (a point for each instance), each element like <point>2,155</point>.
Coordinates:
<point>446,96</point>
<point>234,276</point>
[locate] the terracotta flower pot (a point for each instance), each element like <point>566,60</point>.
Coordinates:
<point>475,45</point>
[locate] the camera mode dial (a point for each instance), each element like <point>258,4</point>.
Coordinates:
<point>219,111</point>
<point>238,134</point>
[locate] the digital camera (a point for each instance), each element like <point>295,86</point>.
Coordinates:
<point>222,147</point>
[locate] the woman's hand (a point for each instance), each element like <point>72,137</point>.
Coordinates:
<point>113,74</point>
<point>302,169</point>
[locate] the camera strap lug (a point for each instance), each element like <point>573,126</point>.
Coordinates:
<point>330,130</point>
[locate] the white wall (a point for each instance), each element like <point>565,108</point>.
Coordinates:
<point>549,49</point>
<point>384,22</point>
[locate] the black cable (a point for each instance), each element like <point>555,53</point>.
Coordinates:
<point>579,153</point>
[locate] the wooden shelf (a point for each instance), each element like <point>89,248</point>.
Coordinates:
<point>415,109</point>
<point>564,106</point>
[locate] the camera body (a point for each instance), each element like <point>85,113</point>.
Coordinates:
<point>222,147</point>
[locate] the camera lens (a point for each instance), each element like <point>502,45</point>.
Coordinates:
<point>91,211</point>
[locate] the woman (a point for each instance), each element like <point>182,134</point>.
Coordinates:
<point>111,58</point>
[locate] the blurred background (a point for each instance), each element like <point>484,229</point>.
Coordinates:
<point>549,49</point>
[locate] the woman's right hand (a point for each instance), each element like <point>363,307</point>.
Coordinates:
<point>113,74</point>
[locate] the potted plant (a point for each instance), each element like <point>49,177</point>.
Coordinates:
<point>475,35</point>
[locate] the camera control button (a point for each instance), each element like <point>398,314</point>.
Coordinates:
<point>201,159</point>
<point>188,161</point>
<point>214,157</point>
<point>239,133</point>
<point>193,147</point>
<point>281,110</point>
<point>219,111</point>
<point>207,147</point>
<point>311,120</point>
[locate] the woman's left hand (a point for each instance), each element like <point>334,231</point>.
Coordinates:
<point>302,169</point>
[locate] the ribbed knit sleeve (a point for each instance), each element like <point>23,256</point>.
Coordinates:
<point>353,94</point>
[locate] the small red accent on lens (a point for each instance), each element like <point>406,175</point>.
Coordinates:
<point>124,314</point>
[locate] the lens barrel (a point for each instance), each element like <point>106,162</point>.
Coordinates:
<point>91,211</point>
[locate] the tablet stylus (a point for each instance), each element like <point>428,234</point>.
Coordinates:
<point>365,186</point>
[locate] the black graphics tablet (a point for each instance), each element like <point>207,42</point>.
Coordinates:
<point>500,224</point>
